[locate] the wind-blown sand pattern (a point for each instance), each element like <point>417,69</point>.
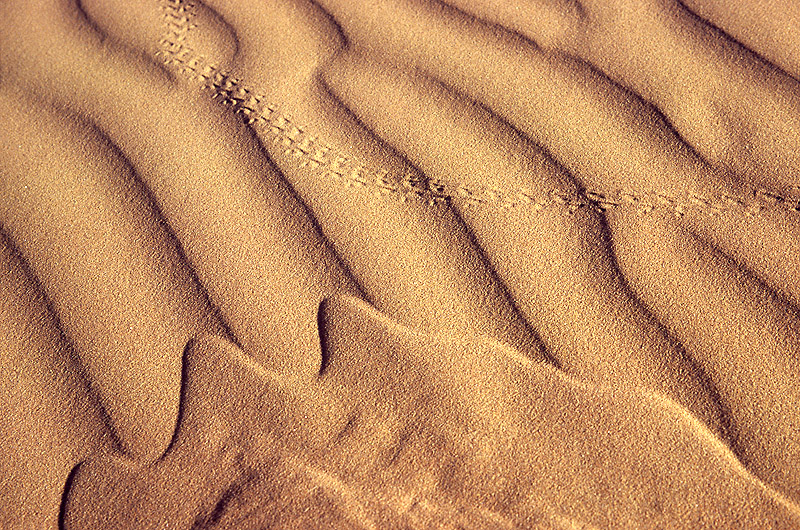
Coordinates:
<point>400,264</point>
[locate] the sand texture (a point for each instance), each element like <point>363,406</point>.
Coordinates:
<point>399,264</point>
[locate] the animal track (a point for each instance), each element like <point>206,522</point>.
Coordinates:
<point>310,151</point>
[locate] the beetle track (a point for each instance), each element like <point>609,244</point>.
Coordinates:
<point>308,151</point>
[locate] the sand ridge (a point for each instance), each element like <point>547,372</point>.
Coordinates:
<point>599,202</point>
<point>313,153</point>
<point>484,471</point>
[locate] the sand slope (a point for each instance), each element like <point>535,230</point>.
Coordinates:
<point>467,262</point>
<point>406,431</point>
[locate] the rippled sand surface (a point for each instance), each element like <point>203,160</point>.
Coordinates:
<point>399,264</point>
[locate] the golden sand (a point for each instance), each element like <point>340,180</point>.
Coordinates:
<point>400,264</point>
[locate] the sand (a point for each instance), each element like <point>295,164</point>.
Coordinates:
<point>399,264</point>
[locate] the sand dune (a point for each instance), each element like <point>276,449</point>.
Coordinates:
<point>459,264</point>
<point>388,437</point>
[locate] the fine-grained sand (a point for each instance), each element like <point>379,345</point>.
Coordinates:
<point>399,264</point>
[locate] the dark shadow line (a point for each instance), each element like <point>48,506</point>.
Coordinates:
<point>509,35</point>
<point>714,28</point>
<point>237,45</point>
<point>324,335</point>
<point>726,424</point>
<point>162,223</point>
<point>84,16</point>
<point>183,396</point>
<point>460,223</point>
<point>70,350</point>
<point>333,22</point>
<point>103,38</point>
<point>62,509</point>
<point>304,209</point>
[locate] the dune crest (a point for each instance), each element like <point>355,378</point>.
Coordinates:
<point>400,431</point>
<point>439,263</point>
